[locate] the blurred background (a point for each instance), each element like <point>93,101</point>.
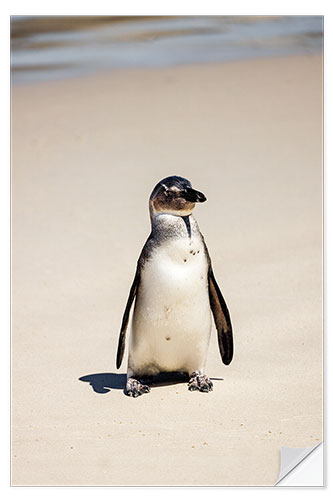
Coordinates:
<point>53,47</point>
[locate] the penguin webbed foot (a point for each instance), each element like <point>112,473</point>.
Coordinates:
<point>199,382</point>
<point>135,388</point>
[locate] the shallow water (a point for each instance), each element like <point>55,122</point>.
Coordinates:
<point>53,47</point>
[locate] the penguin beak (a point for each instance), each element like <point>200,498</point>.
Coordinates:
<point>194,196</point>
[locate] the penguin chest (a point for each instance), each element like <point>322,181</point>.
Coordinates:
<point>172,320</point>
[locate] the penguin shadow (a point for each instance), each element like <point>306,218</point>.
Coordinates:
<point>104,382</point>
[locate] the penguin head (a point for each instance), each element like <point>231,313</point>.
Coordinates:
<point>175,196</point>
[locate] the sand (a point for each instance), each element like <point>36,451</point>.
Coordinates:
<point>86,154</point>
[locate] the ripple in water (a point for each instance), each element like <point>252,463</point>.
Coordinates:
<point>55,47</point>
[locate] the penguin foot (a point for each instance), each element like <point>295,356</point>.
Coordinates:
<point>134,388</point>
<point>200,383</point>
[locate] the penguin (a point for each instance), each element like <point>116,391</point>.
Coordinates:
<point>175,292</point>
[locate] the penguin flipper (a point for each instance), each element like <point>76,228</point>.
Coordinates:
<point>122,335</point>
<point>222,319</point>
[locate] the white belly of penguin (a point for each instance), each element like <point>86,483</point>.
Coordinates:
<point>172,319</point>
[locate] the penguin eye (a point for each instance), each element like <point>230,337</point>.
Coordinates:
<point>164,191</point>
<point>174,192</point>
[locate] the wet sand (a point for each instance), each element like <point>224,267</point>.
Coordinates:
<point>86,154</point>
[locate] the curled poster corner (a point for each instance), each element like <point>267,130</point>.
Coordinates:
<point>291,458</point>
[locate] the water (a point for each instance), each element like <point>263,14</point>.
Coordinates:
<point>53,47</point>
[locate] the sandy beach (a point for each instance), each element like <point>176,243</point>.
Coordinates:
<point>86,154</point>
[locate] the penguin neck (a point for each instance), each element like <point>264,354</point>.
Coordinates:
<point>167,226</point>
<point>186,219</point>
